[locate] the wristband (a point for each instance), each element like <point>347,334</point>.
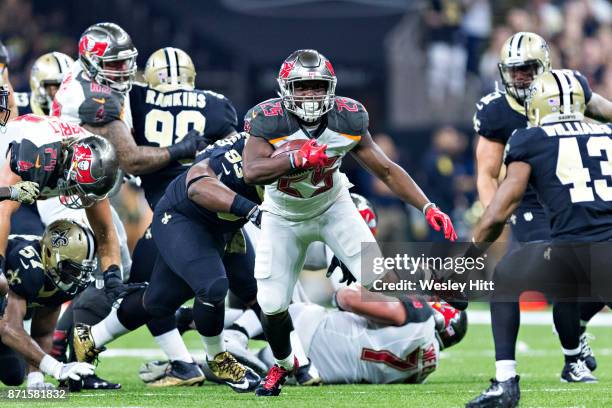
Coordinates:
<point>427,206</point>
<point>35,377</point>
<point>49,365</point>
<point>241,206</point>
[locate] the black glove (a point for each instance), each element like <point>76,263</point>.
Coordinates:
<point>193,142</point>
<point>347,276</point>
<point>255,216</point>
<point>113,285</point>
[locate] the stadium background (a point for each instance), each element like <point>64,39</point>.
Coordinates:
<point>419,71</point>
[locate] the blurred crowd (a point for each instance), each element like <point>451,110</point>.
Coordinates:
<point>462,40</point>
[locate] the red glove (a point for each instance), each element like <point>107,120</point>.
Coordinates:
<point>310,155</point>
<point>436,218</point>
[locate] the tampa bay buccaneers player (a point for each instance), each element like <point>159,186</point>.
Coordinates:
<point>523,56</point>
<point>43,273</point>
<point>306,197</point>
<point>46,75</point>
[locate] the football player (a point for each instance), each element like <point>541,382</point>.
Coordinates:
<point>375,339</point>
<point>202,253</point>
<point>13,111</point>
<point>42,274</point>
<point>498,115</point>
<point>307,198</point>
<point>556,157</point>
<point>45,78</point>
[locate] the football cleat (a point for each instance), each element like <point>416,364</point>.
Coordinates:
<point>228,370</point>
<point>83,343</point>
<point>308,375</point>
<point>272,385</point>
<point>586,353</point>
<point>237,343</point>
<point>152,370</point>
<point>500,394</point>
<point>577,372</point>
<point>93,382</point>
<point>179,373</point>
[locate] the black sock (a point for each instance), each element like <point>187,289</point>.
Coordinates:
<point>208,318</point>
<point>277,329</point>
<point>587,311</point>
<point>505,322</point>
<point>566,316</point>
<point>131,312</point>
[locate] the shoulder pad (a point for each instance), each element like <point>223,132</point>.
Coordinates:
<point>586,87</point>
<point>221,117</point>
<point>268,120</point>
<point>348,116</point>
<point>489,110</point>
<point>520,145</point>
<point>101,104</point>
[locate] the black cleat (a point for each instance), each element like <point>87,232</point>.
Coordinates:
<point>307,375</point>
<point>93,382</point>
<point>500,394</point>
<point>180,373</point>
<point>577,372</point>
<point>228,370</point>
<point>586,353</point>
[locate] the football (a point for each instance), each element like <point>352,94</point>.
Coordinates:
<point>289,147</point>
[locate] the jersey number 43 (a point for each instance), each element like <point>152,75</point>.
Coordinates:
<point>570,169</point>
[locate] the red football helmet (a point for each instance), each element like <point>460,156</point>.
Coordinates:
<point>367,211</point>
<point>451,324</point>
<point>107,54</point>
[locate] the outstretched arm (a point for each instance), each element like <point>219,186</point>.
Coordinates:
<point>101,221</point>
<point>374,306</point>
<point>506,200</point>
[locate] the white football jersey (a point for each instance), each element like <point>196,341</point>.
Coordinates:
<point>349,349</point>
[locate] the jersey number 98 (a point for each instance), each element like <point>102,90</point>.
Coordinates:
<point>163,128</point>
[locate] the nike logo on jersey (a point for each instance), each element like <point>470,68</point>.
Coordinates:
<point>479,106</point>
<point>37,164</point>
<point>225,170</point>
<point>100,100</point>
<point>25,266</point>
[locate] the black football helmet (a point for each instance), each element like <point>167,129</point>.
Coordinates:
<point>451,324</point>
<point>91,171</point>
<point>107,54</point>
<point>307,66</point>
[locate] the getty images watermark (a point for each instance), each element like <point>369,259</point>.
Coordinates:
<point>562,271</point>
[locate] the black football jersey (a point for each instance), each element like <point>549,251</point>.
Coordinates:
<point>26,276</point>
<point>22,100</point>
<point>161,119</point>
<point>570,171</point>
<point>40,164</point>
<point>225,158</point>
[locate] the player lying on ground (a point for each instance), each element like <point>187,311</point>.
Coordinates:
<point>42,274</point>
<point>523,56</point>
<point>203,253</point>
<point>557,156</point>
<point>296,148</point>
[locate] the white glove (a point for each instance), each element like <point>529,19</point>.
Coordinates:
<point>60,371</point>
<point>36,381</point>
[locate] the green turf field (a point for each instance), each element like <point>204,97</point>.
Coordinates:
<point>464,371</point>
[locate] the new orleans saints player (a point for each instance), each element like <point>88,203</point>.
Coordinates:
<point>42,274</point>
<point>498,115</point>
<point>202,253</point>
<point>556,157</point>
<point>46,75</point>
<point>13,111</point>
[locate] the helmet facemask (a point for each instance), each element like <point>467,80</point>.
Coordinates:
<point>517,77</point>
<point>309,99</point>
<point>5,111</point>
<point>71,277</point>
